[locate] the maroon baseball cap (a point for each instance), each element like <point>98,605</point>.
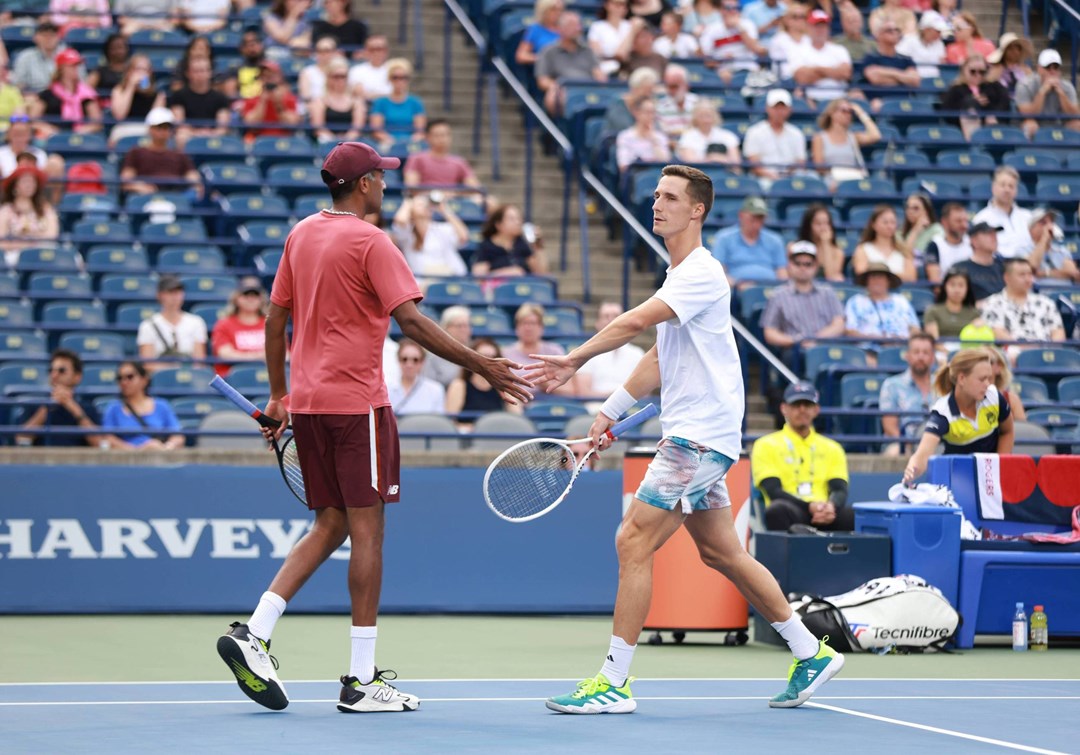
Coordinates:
<point>349,161</point>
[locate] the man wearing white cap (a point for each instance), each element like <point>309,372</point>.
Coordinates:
<point>1047,93</point>
<point>172,169</point>
<point>926,47</point>
<point>774,146</point>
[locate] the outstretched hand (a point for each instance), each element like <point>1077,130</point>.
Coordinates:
<point>500,373</point>
<point>550,372</point>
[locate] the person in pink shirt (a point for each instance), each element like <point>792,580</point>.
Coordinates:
<point>436,167</point>
<point>341,280</point>
<point>967,40</point>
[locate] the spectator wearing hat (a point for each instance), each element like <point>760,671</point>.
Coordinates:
<point>1016,313</point>
<point>975,96</point>
<point>240,336</point>
<point>63,408</point>
<point>911,393</point>
<point>1048,255</point>
<point>802,474</point>
<point>951,245</point>
<point>26,217</point>
<point>172,169</point>
<point>879,314</point>
<point>275,103</point>
<point>1047,93</point>
<point>823,67</point>
<point>33,68</point>
<point>1009,62</point>
<point>1003,213</point>
<point>886,69</point>
<point>68,102</point>
<point>774,147</point>
<point>198,109</point>
<point>985,268</point>
<point>139,15</point>
<point>749,251</point>
<point>926,47</point>
<point>171,332</point>
<point>803,309</point>
<point>852,37</point>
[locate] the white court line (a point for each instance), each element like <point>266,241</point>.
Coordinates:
<point>687,698</point>
<point>938,730</point>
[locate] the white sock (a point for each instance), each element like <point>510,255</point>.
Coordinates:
<point>617,664</point>
<point>803,644</point>
<point>261,624</point>
<point>362,662</point>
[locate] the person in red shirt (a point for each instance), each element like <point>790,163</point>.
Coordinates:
<point>241,334</point>
<point>274,104</point>
<point>341,279</point>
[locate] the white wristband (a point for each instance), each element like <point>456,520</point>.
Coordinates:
<point>618,403</point>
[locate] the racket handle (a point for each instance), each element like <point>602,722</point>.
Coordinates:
<point>647,413</point>
<point>226,390</point>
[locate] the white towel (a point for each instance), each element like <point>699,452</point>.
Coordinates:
<point>988,486</point>
<point>928,494</point>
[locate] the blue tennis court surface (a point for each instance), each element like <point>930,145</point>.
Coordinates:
<point>506,715</point>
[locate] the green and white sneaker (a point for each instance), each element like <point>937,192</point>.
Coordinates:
<point>805,677</point>
<point>249,660</point>
<point>596,695</point>
<point>374,697</point>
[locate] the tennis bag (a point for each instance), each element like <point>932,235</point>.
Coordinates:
<point>902,612</point>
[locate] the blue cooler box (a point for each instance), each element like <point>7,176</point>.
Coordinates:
<point>925,540</point>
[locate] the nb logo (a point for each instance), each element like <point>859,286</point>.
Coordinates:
<point>385,694</point>
<point>392,490</point>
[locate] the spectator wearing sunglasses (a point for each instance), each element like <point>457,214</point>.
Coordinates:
<point>63,408</point>
<point>1047,93</point>
<point>415,393</point>
<point>136,409</point>
<point>978,98</point>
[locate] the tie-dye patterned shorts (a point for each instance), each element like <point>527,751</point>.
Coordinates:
<point>689,472</point>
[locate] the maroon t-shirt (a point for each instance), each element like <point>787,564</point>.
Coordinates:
<point>152,163</point>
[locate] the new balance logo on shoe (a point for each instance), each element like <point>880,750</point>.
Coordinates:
<point>385,694</point>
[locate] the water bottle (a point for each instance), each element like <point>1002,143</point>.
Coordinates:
<point>1040,634</point>
<point>1020,635</point>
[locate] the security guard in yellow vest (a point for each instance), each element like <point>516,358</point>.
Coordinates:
<point>803,474</point>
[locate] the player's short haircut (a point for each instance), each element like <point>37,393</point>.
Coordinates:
<point>699,185</point>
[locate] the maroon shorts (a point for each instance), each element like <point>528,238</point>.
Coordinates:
<point>348,460</point>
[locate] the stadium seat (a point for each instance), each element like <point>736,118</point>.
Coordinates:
<point>208,287</point>
<point>127,287</point>
<point>202,149</point>
<point>259,234</point>
<point>158,38</point>
<point>965,159</point>
<point>58,285</point>
<point>997,140</point>
<point>1068,390</point>
<point>251,205</point>
<point>98,379</point>
<point>231,176</point>
<point>125,144</point>
<point>250,379</point>
<point>797,189</point>
<point>190,410</point>
<point>893,358</point>
<point>500,423</point>
<point>1057,358</point>
<point>1029,431</point>
<point>490,322</point>
<point>87,233</point>
<point>108,258</point>
<point>817,358</point>
<point>18,36</point>
<point>175,381</point>
<point>550,417</point>
<point>412,427</point>
<point>865,191</point>
<point>1032,160</point>
<point>282,150</point>
<point>74,314</point>
<point>234,420</point>
<point>1056,137</point>
<point>154,236</point>
<point>309,204</point>
<point>224,41</point>
<point>1055,418</point>
<point>193,258</point>
<point>932,139</point>
<point>48,260</point>
<point>129,315</point>
<point>21,378</point>
<point>920,298</point>
<point>1030,389</point>
<point>562,321</point>
<point>164,62</point>
<point>856,389</point>
<point>1062,192</point>
<point>935,184</point>
<point>267,261</point>
<point>9,284</point>
<point>859,216</point>
<point>98,345</point>
<point>15,314</point>
<point>88,206</point>
<point>446,293</point>
<point>78,147</point>
<point>210,312</point>
<point>21,344</point>
<point>136,203</point>
<point>515,293</point>
<point>292,181</point>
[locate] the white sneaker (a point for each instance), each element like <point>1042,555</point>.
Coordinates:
<point>249,660</point>
<point>374,697</point>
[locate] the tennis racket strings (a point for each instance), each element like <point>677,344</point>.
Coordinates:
<point>290,469</point>
<point>530,478</point>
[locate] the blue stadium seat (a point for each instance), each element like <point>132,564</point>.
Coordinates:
<point>72,206</point>
<point>129,315</point>
<point>1055,358</point>
<point>127,287</point>
<point>816,358</point>
<point>518,292</point>
<point>865,191</point>
<point>1051,138</point>
<point>562,321</point>
<point>136,203</point>
<point>191,258</point>
<point>230,176</point>
<point>932,139</point>
<point>78,147</point>
<point>100,345</point>
<point>74,314</point>
<point>208,287</point>
<point>1068,390</point>
<point>202,149</point>
<point>24,377</point>
<point>859,215</point>
<point>48,260</point>
<point>902,163</point>
<point>191,410</point>
<point>88,233</point>
<point>490,322</point>
<point>1032,160</point>
<point>18,36</point>
<point>965,159</point>
<point>250,379</point>
<point>893,358</point>
<point>445,293</point>
<point>154,236</point>
<point>267,261</point>
<point>210,312</point>
<point>1055,418</point>
<point>98,379</point>
<point>292,181</point>
<point>259,234</point>
<point>997,140</point>
<point>934,184</point>
<point>158,38</point>
<point>279,150</point>
<point>15,314</point>
<point>108,258</point>
<point>87,39</point>
<point>550,417</point>
<point>9,284</point>
<point>920,298</point>
<point>176,381</point>
<point>1031,389</point>
<point>845,291</point>
<point>979,189</point>
<point>309,204</point>
<point>224,41</point>
<point>256,205</point>
<point>1062,192</point>
<point>21,344</point>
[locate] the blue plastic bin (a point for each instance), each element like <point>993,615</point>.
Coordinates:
<point>925,540</point>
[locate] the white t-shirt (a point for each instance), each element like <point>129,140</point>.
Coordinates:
<point>437,255</point>
<point>701,387</point>
<point>724,43</point>
<point>926,57</point>
<point>829,55</point>
<point>315,80</point>
<point>8,156</point>
<point>693,144</point>
<point>776,152</point>
<point>949,254</point>
<point>182,337</point>
<point>684,46</point>
<point>1014,237</point>
<point>204,10</point>
<point>426,397</point>
<point>786,51</point>
<point>607,37</point>
<point>374,79</point>
<point>390,367</point>
<point>610,370</point>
